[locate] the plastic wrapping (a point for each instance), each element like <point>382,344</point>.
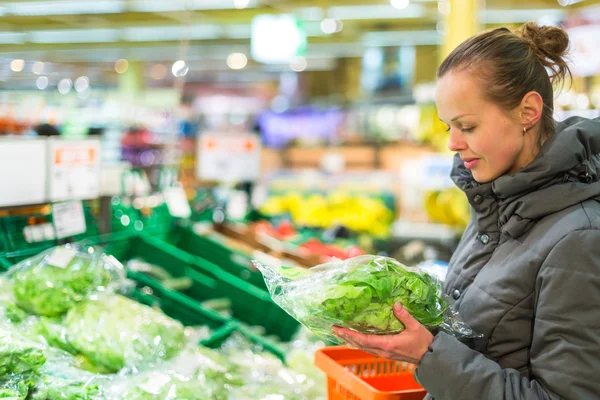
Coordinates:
<point>18,354</point>
<point>359,293</point>
<point>61,379</point>
<point>115,332</point>
<point>54,281</point>
<point>15,387</point>
<point>195,374</point>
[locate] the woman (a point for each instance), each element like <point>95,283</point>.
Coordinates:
<point>526,274</point>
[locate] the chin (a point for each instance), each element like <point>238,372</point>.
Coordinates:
<point>482,177</point>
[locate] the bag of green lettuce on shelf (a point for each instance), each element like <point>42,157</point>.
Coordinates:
<point>359,293</point>
<point>54,281</point>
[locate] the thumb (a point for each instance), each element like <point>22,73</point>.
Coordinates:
<point>404,316</point>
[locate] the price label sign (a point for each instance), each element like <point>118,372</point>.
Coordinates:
<point>74,169</point>
<point>23,163</point>
<point>229,157</point>
<point>68,219</point>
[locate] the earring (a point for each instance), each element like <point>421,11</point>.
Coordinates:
<point>524,130</point>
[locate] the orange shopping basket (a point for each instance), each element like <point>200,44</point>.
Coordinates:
<point>356,375</point>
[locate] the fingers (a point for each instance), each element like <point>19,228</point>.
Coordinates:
<point>410,323</point>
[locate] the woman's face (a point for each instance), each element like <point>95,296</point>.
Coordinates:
<point>489,139</point>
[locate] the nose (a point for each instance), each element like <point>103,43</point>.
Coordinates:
<point>456,142</point>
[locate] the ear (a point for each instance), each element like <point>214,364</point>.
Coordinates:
<point>531,109</point>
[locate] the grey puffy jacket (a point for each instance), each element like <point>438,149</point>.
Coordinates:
<point>526,275</point>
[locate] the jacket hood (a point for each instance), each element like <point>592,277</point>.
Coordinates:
<point>564,173</point>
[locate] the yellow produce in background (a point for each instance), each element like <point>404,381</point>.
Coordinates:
<point>449,207</point>
<point>361,214</point>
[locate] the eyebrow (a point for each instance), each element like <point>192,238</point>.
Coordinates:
<point>460,116</point>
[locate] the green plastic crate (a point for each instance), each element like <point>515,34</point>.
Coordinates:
<point>125,217</point>
<point>249,303</point>
<point>234,262</point>
<point>188,312</point>
<point>13,228</point>
<point>4,264</point>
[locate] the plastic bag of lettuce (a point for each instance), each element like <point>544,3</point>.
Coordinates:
<point>359,293</point>
<point>54,281</point>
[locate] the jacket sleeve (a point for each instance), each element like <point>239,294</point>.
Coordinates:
<point>565,346</point>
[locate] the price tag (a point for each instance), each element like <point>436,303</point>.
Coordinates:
<point>61,257</point>
<point>37,233</point>
<point>23,163</point>
<point>48,232</point>
<point>74,169</point>
<point>177,202</point>
<point>68,219</point>
<point>228,157</point>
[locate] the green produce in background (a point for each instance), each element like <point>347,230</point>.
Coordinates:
<point>54,281</point>
<point>15,387</point>
<point>359,294</point>
<point>18,355</point>
<point>114,332</point>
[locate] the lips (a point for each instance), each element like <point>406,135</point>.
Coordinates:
<point>470,162</point>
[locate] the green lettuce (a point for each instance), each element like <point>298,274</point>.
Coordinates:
<point>358,294</point>
<point>114,331</point>
<point>18,355</point>
<point>50,285</point>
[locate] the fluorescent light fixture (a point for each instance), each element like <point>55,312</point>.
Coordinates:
<point>277,38</point>
<point>64,7</point>
<point>182,5</point>
<point>400,4</point>
<point>397,38</point>
<point>75,36</point>
<point>12,37</point>
<point>166,33</point>
<point>376,12</point>
<point>518,16</point>
<point>310,13</point>
<point>241,31</point>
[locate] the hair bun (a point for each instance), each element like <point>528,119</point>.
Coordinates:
<point>550,45</point>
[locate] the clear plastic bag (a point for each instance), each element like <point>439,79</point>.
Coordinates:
<point>18,354</point>
<point>115,332</point>
<point>61,379</point>
<point>15,387</point>
<point>359,293</point>
<point>54,281</point>
<point>195,374</point>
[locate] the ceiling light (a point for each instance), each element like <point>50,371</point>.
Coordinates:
<point>41,82</point>
<point>400,4</point>
<point>64,86</point>
<point>444,7</point>
<point>158,72</point>
<point>328,26</point>
<point>121,66</point>
<point>298,64</point>
<point>241,3</point>
<point>82,83</point>
<point>237,61</point>
<point>180,69</point>
<point>17,65</point>
<point>37,67</point>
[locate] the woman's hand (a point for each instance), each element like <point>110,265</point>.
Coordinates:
<point>409,345</point>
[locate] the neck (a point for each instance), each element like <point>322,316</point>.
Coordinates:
<point>531,148</point>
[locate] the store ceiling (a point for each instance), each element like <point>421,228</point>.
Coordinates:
<point>87,36</point>
<point>76,30</point>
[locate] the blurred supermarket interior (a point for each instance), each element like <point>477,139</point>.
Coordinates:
<point>287,131</point>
